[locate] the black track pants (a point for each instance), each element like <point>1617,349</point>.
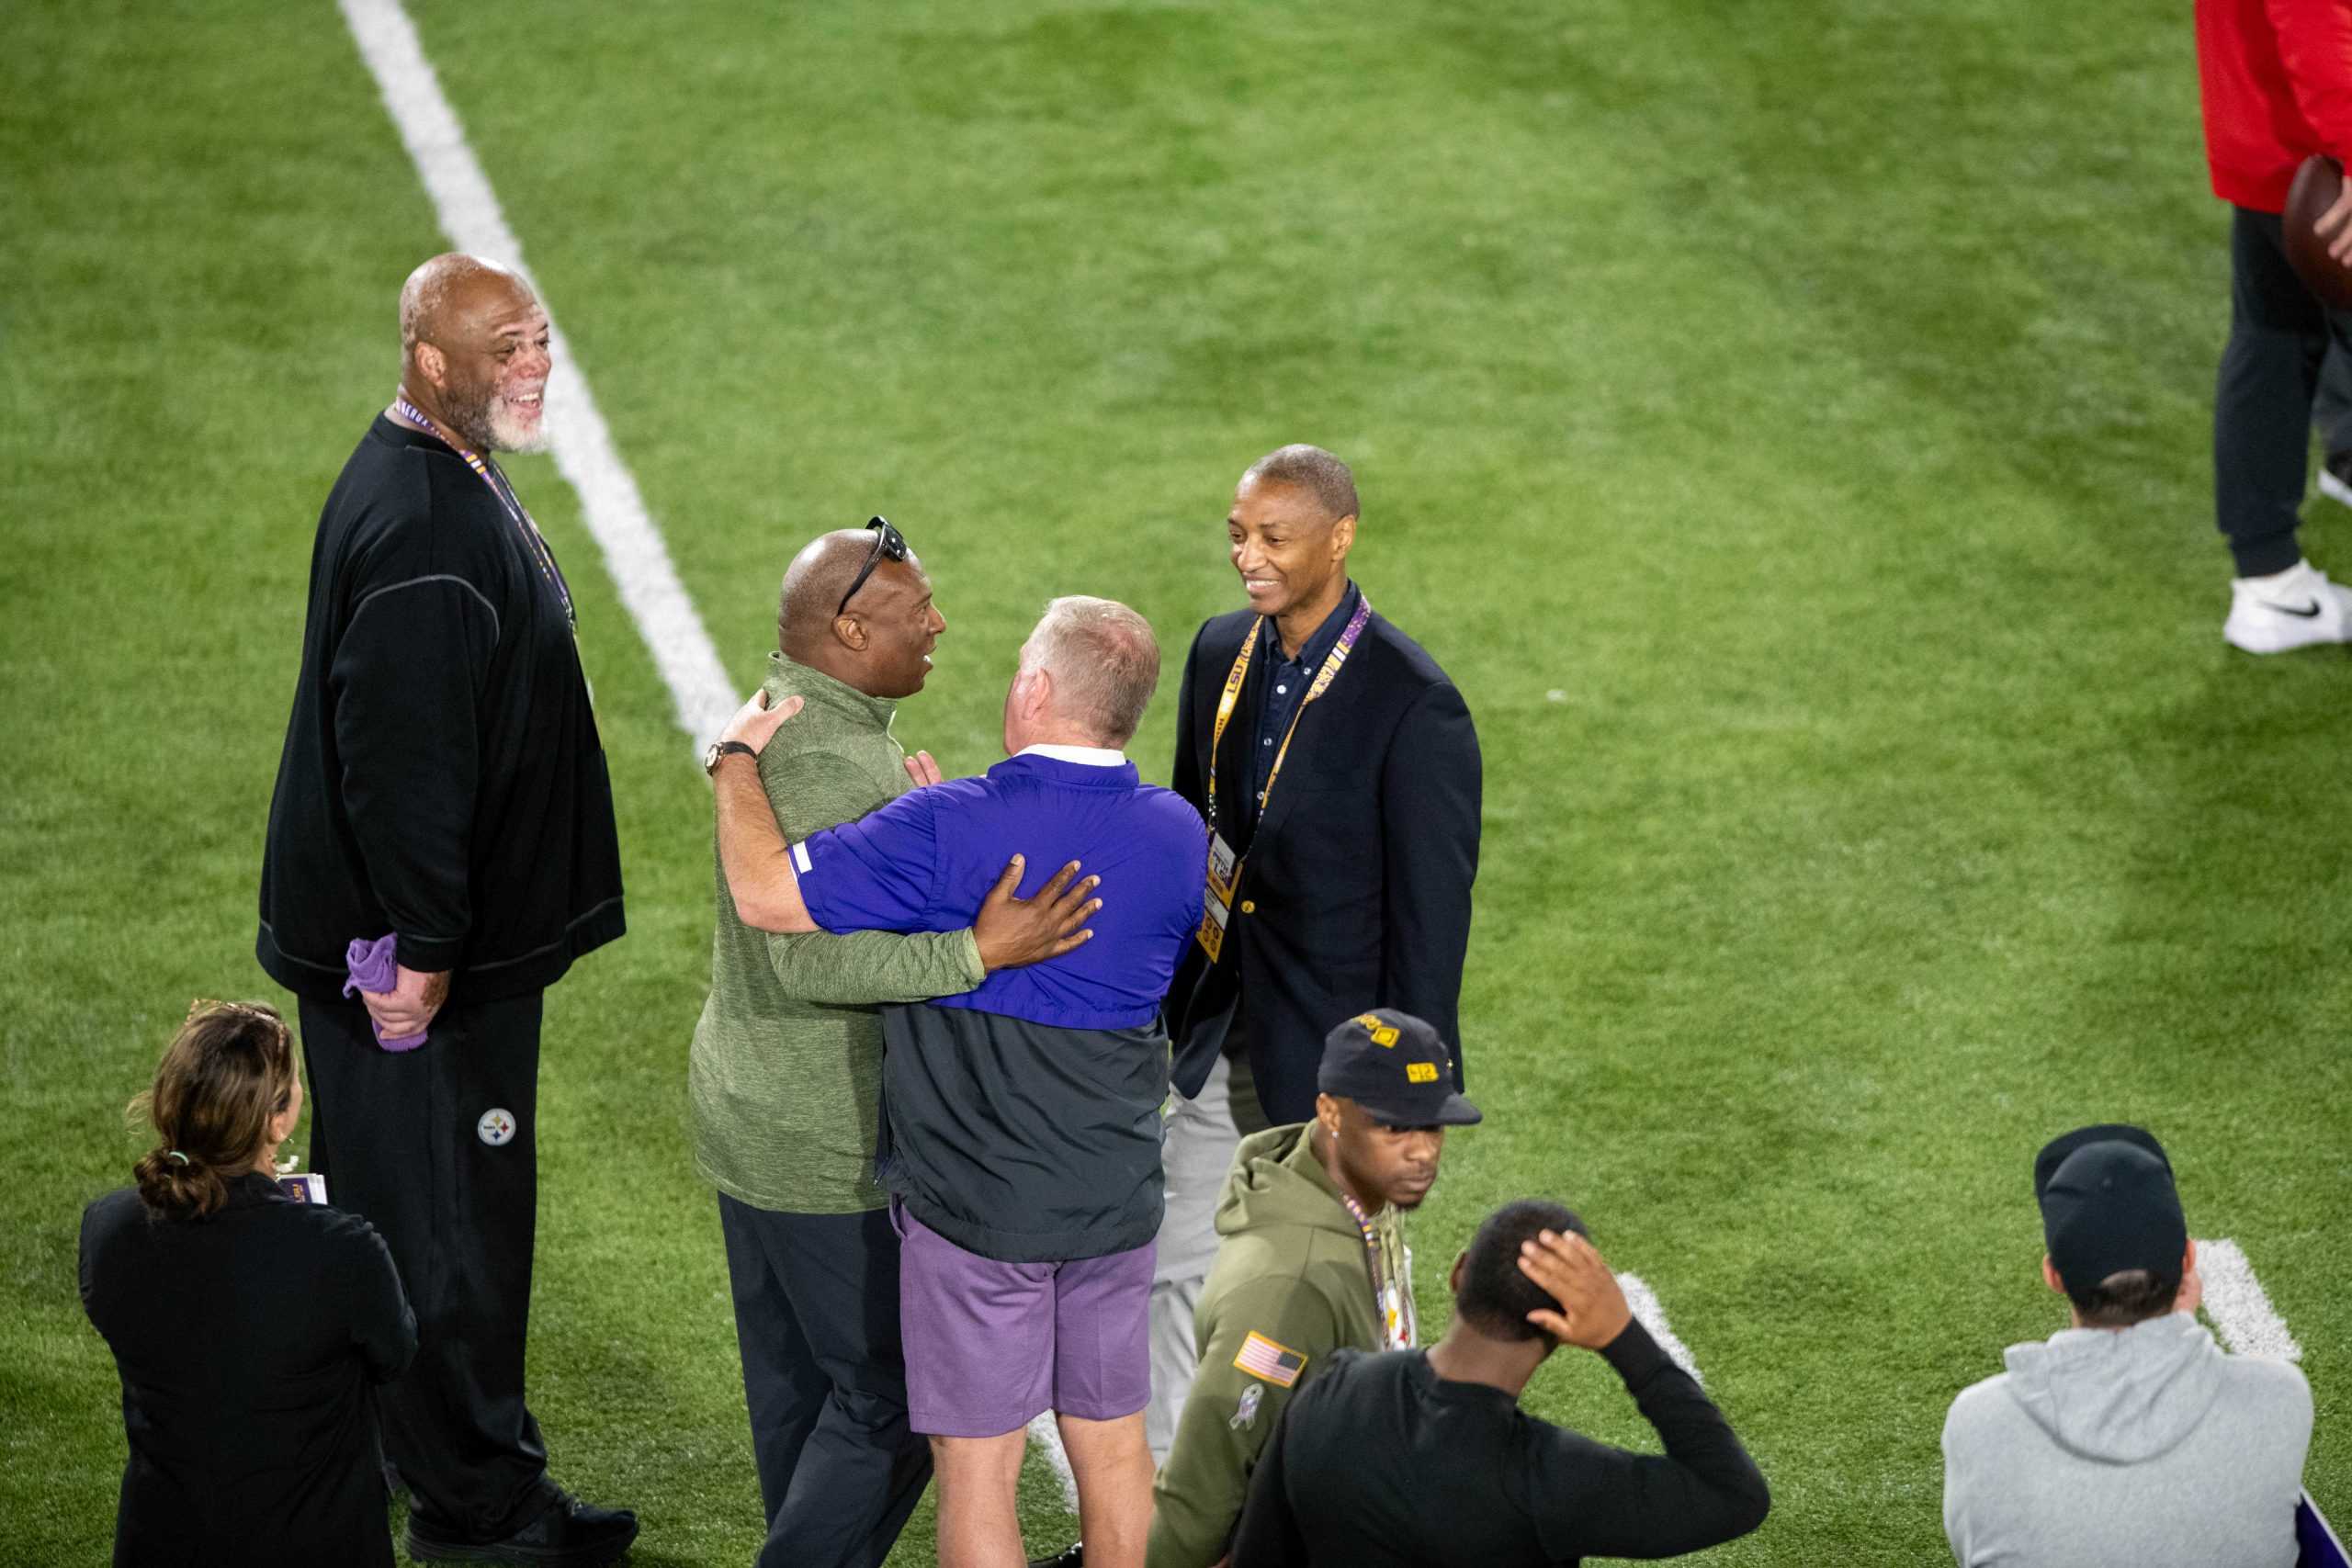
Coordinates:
<point>2262,403</point>
<point>437,1148</point>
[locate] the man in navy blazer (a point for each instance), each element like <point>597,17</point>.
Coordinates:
<point>1338,768</point>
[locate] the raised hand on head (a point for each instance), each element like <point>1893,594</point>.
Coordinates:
<point>1569,1268</point>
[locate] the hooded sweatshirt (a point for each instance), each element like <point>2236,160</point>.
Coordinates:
<point>1291,1284</point>
<point>2145,1446</point>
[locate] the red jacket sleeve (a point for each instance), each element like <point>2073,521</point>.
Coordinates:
<point>2315,46</point>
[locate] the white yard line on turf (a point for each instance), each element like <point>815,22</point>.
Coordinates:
<point>585,454</point>
<point>2242,1314</point>
<point>1644,1303</point>
<point>1043,1434</point>
<point>640,562</point>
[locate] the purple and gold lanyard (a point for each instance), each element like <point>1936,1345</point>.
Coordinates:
<point>1231,695</point>
<point>507,500</point>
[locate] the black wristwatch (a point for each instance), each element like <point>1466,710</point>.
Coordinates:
<point>719,748</point>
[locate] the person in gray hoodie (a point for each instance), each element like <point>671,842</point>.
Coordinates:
<point>2129,1438</point>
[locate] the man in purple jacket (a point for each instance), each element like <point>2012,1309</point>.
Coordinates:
<point>1021,1137</point>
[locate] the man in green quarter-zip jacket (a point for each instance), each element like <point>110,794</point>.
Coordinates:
<point>785,1077</point>
<point>1312,1259</point>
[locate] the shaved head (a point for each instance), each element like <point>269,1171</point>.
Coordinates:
<point>445,291</point>
<point>813,586</point>
<point>881,643</point>
<point>475,352</point>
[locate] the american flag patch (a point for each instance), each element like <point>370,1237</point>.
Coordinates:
<point>1269,1362</point>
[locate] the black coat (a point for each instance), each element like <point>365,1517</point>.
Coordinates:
<point>1355,887</point>
<point>247,1342</point>
<point>442,776</point>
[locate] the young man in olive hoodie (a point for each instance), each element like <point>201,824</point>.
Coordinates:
<point>1312,1259</point>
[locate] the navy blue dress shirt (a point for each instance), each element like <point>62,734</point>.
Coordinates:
<point>1286,681</point>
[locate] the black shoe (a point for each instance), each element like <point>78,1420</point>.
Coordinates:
<point>1071,1556</point>
<point>570,1534</point>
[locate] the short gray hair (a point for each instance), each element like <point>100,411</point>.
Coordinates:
<point>1312,470</point>
<point>1104,661</point>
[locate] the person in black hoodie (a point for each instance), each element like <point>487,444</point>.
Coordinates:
<point>247,1325</point>
<point>1424,1458</point>
<point>442,786</point>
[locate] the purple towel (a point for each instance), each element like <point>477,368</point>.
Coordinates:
<point>373,968</point>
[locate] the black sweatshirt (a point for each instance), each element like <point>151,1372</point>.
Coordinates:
<point>442,777</point>
<point>1381,1462</point>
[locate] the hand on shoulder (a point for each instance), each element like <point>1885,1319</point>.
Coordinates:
<point>756,723</point>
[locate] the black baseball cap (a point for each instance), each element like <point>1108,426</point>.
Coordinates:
<point>2109,1205</point>
<point>1397,1068</point>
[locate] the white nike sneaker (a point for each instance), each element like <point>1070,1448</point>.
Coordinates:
<point>2294,608</point>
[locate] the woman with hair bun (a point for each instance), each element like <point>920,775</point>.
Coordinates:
<point>247,1325</point>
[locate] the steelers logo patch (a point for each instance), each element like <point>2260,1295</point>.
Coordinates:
<point>496,1126</point>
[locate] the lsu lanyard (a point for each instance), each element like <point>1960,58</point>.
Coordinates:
<point>1395,1310</point>
<point>507,500</point>
<point>1231,695</point>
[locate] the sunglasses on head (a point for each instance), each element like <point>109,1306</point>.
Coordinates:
<point>889,545</point>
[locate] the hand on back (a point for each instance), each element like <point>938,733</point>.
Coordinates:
<point>1012,931</point>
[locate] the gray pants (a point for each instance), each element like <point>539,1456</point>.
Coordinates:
<point>1196,1151</point>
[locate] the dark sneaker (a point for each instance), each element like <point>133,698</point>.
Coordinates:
<point>1070,1556</point>
<point>570,1534</point>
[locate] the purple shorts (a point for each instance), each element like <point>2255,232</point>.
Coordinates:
<point>992,1345</point>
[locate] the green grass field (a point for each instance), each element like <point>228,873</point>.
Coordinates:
<point>1789,425</point>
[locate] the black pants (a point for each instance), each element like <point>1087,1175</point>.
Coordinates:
<point>817,1316</point>
<point>411,1142</point>
<point>2262,406</point>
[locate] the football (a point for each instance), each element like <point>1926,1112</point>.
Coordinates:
<point>2317,185</point>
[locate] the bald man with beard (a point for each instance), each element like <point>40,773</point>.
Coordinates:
<point>786,1069</point>
<point>442,785</point>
